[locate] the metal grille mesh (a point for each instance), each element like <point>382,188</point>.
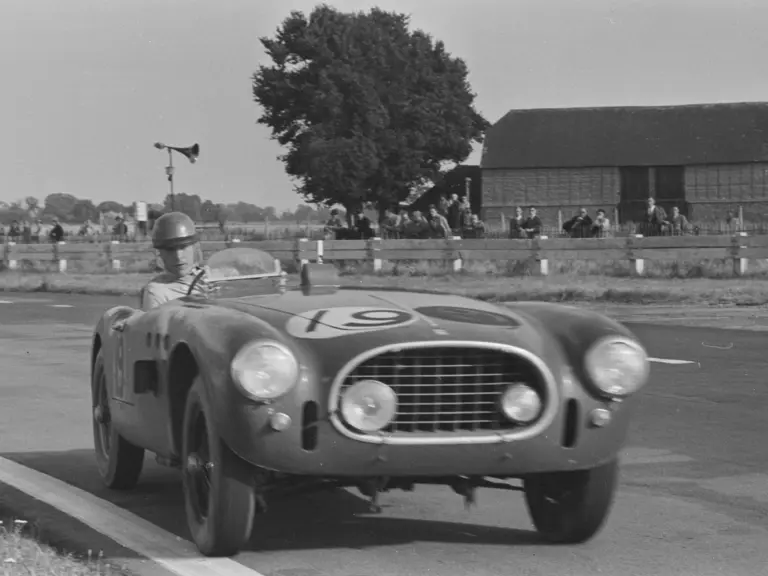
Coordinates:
<point>448,389</point>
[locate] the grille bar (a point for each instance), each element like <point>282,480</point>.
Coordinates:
<point>448,389</point>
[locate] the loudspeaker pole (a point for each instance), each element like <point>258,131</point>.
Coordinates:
<point>191,153</point>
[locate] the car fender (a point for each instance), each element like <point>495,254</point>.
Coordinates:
<point>103,333</point>
<point>213,344</point>
<point>576,329</point>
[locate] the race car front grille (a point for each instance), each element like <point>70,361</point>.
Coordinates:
<point>448,389</point>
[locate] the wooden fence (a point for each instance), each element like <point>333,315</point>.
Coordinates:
<point>539,252</point>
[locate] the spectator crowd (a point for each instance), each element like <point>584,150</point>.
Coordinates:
<point>451,217</point>
<point>34,231</point>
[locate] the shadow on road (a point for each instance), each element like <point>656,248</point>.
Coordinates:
<point>336,519</point>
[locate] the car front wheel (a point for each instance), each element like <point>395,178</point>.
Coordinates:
<point>219,494</point>
<point>571,507</point>
<point>119,462</point>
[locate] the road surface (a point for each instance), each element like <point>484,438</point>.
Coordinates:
<point>693,499</point>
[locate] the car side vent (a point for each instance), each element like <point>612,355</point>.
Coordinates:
<point>309,426</point>
<point>571,424</point>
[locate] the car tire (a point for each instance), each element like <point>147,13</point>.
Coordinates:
<point>219,492</point>
<point>571,507</point>
<point>119,462</point>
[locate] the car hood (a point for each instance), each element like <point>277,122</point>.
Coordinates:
<point>350,321</point>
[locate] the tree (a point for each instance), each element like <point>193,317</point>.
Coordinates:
<point>366,108</point>
<point>190,204</point>
<point>60,206</point>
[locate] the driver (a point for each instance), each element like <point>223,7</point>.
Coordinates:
<point>175,238</point>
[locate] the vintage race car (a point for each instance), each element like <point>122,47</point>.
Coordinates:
<point>254,389</point>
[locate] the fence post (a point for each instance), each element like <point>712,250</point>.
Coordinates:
<point>301,246</point>
<point>115,262</point>
<point>12,264</point>
<point>374,247</point>
<point>57,257</point>
<point>636,265</point>
<point>457,263</point>
<point>543,262</point>
<point>319,259</point>
<point>739,264</point>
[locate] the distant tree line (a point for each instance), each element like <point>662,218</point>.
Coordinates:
<point>72,210</point>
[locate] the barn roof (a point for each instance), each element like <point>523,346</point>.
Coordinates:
<point>629,136</point>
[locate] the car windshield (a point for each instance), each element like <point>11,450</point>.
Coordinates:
<point>234,264</point>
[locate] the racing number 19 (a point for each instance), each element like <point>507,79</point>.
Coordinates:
<point>362,319</point>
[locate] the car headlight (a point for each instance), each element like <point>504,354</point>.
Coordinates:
<point>368,405</point>
<point>617,366</point>
<point>521,403</point>
<point>264,370</point>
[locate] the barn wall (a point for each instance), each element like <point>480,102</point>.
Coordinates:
<point>550,190</point>
<point>714,189</point>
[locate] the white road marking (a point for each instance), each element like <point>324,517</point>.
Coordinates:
<point>670,361</point>
<point>6,301</point>
<point>753,486</point>
<point>130,531</point>
<point>646,456</point>
<point>61,306</point>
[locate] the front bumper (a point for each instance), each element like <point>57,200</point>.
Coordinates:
<point>570,442</point>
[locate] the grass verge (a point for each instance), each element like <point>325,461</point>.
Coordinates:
<point>21,553</point>
<point>555,288</point>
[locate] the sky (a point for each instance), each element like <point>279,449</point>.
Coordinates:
<point>88,86</point>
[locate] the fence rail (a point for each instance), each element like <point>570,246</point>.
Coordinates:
<point>540,252</point>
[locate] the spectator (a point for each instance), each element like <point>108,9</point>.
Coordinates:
<point>601,226</point>
<point>438,224</point>
<point>26,232</point>
<point>389,224</point>
<point>465,213</point>
<point>120,230</point>
<point>580,226</point>
<point>532,225</point>
<point>516,225</point>
<point>732,223</point>
<point>86,229</point>
<point>655,219</point>
<point>679,224</point>
<point>443,205</point>
<point>363,226</point>
<point>417,226</point>
<point>57,232</point>
<point>14,231</point>
<point>403,223</point>
<point>475,229</point>
<point>453,214</point>
<point>335,228</point>
<point>38,232</point>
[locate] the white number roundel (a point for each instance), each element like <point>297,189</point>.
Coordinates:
<point>333,322</point>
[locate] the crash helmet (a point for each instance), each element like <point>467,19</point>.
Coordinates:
<point>173,230</point>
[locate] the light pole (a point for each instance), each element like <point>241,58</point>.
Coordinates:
<point>191,152</point>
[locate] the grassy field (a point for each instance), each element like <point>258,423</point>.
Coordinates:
<point>23,554</point>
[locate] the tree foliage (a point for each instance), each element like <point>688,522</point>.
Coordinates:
<point>73,210</point>
<point>366,108</point>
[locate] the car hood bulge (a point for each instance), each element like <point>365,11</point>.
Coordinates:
<point>349,322</point>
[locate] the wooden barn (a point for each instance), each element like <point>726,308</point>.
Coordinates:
<point>706,159</point>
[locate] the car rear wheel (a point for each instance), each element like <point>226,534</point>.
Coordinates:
<point>119,462</point>
<point>571,507</point>
<point>219,494</point>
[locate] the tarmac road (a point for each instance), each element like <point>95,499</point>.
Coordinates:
<point>693,501</point>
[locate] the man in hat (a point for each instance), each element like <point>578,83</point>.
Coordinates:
<point>175,238</point>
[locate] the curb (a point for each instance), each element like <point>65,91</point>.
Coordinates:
<point>69,536</point>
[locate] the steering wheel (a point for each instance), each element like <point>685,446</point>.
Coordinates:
<point>196,280</point>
